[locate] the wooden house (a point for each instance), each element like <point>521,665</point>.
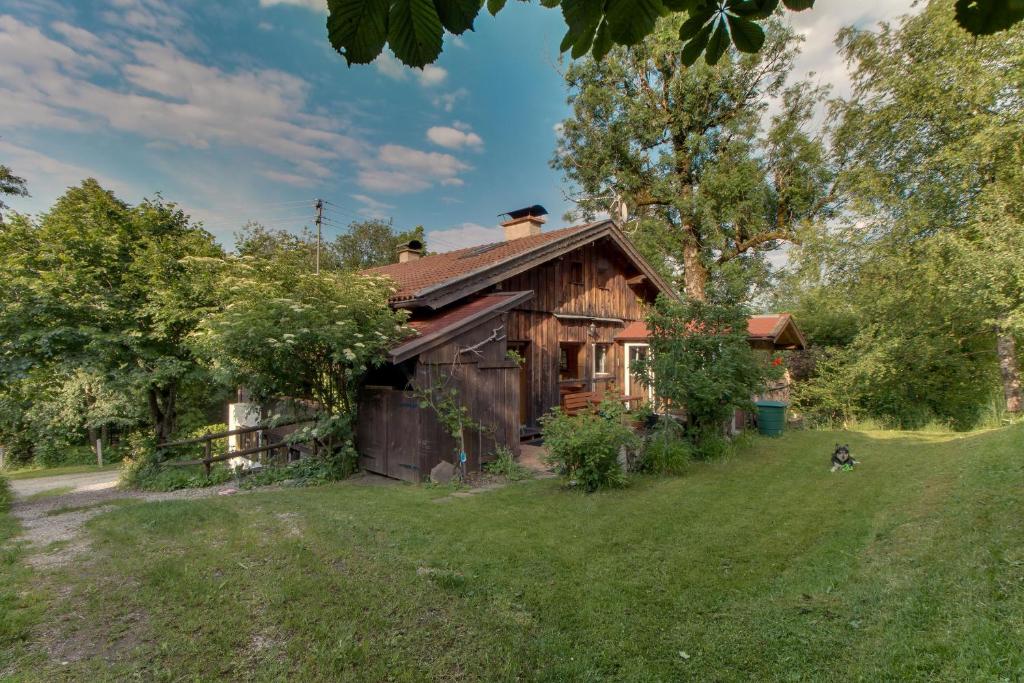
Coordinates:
<point>558,299</point>
<point>569,303</point>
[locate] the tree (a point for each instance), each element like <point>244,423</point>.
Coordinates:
<point>287,332</point>
<point>706,184</point>
<point>701,361</point>
<point>372,243</point>
<point>99,286</point>
<point>414,29</point>
<point>10,185</point>
<point>364,244</point>
<point>926,255</point>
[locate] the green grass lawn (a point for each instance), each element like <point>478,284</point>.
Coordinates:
<point>763,567</point>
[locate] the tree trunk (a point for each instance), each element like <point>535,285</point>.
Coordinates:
<point>695,273</point>
<point>162,410</point>
<point>105,435</point>
<point>92,438</point>
<point>1009,370</point>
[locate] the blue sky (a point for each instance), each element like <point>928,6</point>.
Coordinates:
<point>239,109</point>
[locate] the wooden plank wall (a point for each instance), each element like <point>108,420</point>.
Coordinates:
<point>604,293</point>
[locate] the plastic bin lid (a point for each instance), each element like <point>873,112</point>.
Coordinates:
<point>771,404</point>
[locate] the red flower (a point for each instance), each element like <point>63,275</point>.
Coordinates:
<point>777,361</point>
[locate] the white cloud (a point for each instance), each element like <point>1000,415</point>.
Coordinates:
<point>447,101</point>
<point>398,169</point>
<point>317,5</point>
<point>85,41</point>
<point>430,75</point>
<point>372,208</point>
<point>463,235</point>
<point>164,97</point>
<point>819,26</point>
<point>455,137</point>
<point>49,177</point>
<point>286,178</point>
<point>430,163</point>
<point>395,182</point>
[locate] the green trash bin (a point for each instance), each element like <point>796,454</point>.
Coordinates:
<point>771,417</point>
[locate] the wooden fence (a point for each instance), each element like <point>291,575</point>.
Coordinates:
<point>207,440</point>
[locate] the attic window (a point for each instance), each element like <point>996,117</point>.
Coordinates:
<point>576,273</point>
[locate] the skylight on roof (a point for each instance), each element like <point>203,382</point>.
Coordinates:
<point>482,249</point>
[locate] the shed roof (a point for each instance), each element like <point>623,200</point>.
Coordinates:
<point>438,328</point>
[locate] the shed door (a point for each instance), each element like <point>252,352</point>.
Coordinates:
<point>403,434</point>
<point>371,432</point>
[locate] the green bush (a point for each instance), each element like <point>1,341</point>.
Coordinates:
<point>174,478</point>
<point>505,464</point>
<point>5,495</point>
<point>585,448</point>
<point>666,449</point>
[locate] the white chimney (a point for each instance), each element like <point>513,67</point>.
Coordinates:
<point>524,222</point>
<point>410,251</point>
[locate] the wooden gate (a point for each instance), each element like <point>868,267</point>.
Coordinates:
<point>388,433</point>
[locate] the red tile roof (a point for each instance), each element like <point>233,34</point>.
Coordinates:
<point>435,269</point>
<point>768,327</point>
<point>455,314</point>
<point>432,329</point>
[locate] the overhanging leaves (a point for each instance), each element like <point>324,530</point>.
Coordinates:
<point>358,29</point>
<point>415,32</point>
<point>984,17</point>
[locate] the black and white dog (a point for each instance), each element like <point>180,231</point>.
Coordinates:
<point>841,457</point>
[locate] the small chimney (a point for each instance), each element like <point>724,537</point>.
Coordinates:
<point>524,222</point>
<point>410,251</point>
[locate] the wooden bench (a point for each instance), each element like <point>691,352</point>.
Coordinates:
<point>580,402</point>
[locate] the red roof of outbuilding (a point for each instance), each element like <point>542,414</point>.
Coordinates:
<point>434,329</point>
<point>771,327</point>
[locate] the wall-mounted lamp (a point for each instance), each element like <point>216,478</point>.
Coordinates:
<point>592,330</point>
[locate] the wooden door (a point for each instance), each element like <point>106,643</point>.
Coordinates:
<point>372,430</point>
<point>403,436</point>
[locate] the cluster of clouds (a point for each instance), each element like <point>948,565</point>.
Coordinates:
<point>134,74</point>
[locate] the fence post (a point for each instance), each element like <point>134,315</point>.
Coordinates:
<point>208,446</point>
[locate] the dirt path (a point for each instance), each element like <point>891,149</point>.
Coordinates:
<point>52,526</point>
<point>86,481</point>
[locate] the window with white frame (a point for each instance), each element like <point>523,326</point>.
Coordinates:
<point>602,363</point>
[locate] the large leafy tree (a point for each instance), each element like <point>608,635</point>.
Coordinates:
<point>707,185</point>
<point>364,244</point>
<point>287,332</point>
<point>99,286</point>
<point>11,186</point>
<point>371,243</point>
<point>926,258</point>
<point>414,29</point>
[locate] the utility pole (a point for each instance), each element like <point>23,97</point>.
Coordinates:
<point>319,223</point>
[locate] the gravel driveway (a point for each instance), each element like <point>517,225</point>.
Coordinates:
<point>52,525</point>
<point>86,481</point>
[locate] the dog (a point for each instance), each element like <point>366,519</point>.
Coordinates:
<point>841,458</point>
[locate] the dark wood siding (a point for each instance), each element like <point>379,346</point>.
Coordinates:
<point>604,293</point>
<point>399,439</point>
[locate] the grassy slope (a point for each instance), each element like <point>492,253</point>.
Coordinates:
<point>765,567</point>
